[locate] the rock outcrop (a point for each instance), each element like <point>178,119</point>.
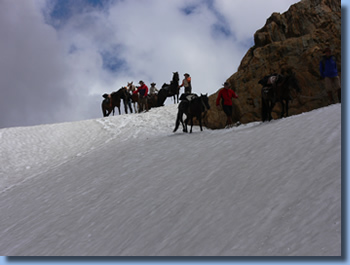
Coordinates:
<point>294,40</point>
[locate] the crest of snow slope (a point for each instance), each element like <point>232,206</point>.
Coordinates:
<point>127,185</point>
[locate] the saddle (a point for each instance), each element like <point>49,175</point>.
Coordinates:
<point>188,97</point>
<point>270,80</point>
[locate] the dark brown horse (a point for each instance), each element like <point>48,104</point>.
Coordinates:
<point>152,101</point>
<point>126,97</point>
<point>279,91</point>
<point>193,108</point>
<point>109,103</point>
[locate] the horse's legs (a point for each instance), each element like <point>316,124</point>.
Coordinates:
<point>269,110</point>
<point>282,112</point>
<point>125,105</point>
<point>191,124</point>
<point>287,106</point>
<point>129,104</point>
<point>184,124</point>
<point>200,122</point>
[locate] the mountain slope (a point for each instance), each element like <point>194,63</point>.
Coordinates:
<point>292,41</point>
<point>127,185</point>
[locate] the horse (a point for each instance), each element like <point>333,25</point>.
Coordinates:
<point>152,101</point>
<point>126,97</point>
<point>134,97</point>
<point>267,103</point>
<point>169,90</point>
<point>109,103</point>
<point>279,91</point>
<point>193,108</point>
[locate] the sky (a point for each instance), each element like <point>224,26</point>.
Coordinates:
<point>57,57</point>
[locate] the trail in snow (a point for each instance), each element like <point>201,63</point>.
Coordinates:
<point>127,185</point>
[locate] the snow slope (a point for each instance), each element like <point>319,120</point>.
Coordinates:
<point>127,185</point>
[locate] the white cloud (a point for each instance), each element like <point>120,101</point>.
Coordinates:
<point>62,69</point>
<point>247,16</point>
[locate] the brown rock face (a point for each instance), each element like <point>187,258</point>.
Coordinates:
<point>294,40</point>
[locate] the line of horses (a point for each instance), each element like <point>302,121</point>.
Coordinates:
<point>126,95</point>
<point>271,93</point>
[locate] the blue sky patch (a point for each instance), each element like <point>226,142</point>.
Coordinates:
<point>188,10</point>
<point>62,10</point>
<point>111,61</point>
<point>222,30</point>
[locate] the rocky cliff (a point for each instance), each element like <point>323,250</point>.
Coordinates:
<point>293,40</point>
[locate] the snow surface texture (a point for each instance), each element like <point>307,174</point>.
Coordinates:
<point>127,185</point>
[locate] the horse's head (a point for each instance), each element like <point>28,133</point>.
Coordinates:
<point>176,77</point>
<point>205,101</point>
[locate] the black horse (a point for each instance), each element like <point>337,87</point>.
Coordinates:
<point>126,97</point>
<point>169,90</point>
<point>113,100</point>
<point>193,108</point>
<point>279,91</point>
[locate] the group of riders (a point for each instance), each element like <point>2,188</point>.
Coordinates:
<point>146,97</point>
<point>328,71</point>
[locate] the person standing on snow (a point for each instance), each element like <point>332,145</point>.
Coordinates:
<point>329,71</point>
<point>153,90</point>
<point>226,95</point>
<point>187,84</point>
<point>143,92</point>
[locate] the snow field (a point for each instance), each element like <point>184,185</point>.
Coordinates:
<point>127,185</point>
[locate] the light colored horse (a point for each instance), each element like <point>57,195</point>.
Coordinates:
<point>134,97</point>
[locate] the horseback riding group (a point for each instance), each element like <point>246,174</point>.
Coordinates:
<point>142,97</point>
<point>275,88</point>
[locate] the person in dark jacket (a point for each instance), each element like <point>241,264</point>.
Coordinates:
<point>329,71</point>
<point>225,96</point>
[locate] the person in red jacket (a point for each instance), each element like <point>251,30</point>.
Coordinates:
<point>225,95</point>
<point>143,92</point>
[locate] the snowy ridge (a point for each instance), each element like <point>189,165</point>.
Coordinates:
<point>127,185</point>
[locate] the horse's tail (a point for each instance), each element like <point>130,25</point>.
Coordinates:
<point>104,111</point>
<point>177,123</point>
<point>178,119</point>
<point>161,97</point>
